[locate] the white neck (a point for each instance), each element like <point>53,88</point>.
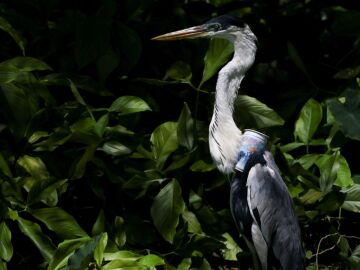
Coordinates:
<point>224,135</point>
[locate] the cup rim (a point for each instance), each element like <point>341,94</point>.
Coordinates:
<point>257,132</point>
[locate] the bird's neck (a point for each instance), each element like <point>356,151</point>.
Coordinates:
<point>224,135</point>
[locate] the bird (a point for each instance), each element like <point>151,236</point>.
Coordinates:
<point>260,203</point>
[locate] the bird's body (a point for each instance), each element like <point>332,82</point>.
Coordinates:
<point>259,200</point>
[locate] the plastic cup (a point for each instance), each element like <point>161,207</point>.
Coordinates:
<point>251,142</point>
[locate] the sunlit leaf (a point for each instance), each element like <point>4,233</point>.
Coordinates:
<point>59,221</point>
<point>6,26</point>
<point>39,239</point>
<point>164,141</point>
<point>115,148</point>
<point>217,55</point>
<point>185,264</point>
<point>23,64</point>
<point>34,166</point>
<point>308,121</point>
<point>352,198</point>
<point>232,248</point>
<point>6,248</point>
<point>64,251</point>
<point>100,248</point>
<point>129,104</point>
<point>193,223</point>
<point>250,112</point>
<point>166,209</point>
<point>81,258</point>
<point>151,260</point>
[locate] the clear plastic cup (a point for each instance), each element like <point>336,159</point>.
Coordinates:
<point>251,142</point>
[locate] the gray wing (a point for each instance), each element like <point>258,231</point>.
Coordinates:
<point>273,212</point>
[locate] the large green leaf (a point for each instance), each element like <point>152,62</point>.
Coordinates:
<point>166,209</point>
<point>216,56</point>
<point>151,260</point>
<point>23,64</point>
<point>352,198</point>
<point>164,141</point>
<point>40,240</point>
<point>34,166</point>
<point>129,104</point>
<point>6,26</point>
<point>308,121</point>
<point>100,248</point>
<point>6,248</point>
<point>64,251</point>
<point>347,115</point>
<point>186,128</point>
<point>45,191</point>
<point>328,165</point>
<point>59,221</point>
<point>81,258</point>
<point>250,112</point>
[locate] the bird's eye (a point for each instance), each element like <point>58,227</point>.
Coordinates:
<point>216,27</point>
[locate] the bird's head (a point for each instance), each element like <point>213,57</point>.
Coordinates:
<point>225,26</point>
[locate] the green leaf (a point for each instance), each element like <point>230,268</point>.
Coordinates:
<point>6,26</point>
<point>185,264</point>
<point>4,166</point>
<point>59,221</point>
<point>81,258</point>
<point>311,196</point>
<point>352,198</point>
<point>151,260</point>
<point>80,166</point>
<point>251,112</point>
<point>347,115</point>
<point>40,240</point>
<point>34,166</point>
<point>308,121</point>
<point>3,265</point>
<point>355,257</point>
<point>306,161</point>
<point>129,104</point>
<point>45,191</point>
<point>201,166</point>
<point>232,248</point>
<point>217,55</point>
<point>122,255</point>
<point>64,251</point>
<point>115,148</point>
<point>119,230</point>
<point>99,250</point>
<point>328,166</point>
<point>193,223</point>
<point>179,71</point>
<point>23,64</point>
<point>186,128</point>
<point>101,125</point>
<point>99,225</point>
<point>6,248</point>
<point>166,209</point>
<point>348,73</point>
<point>343,177</point>
<point>164,141</point>
<point>290,146</point>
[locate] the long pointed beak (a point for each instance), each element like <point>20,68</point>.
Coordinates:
<point>192,32</point>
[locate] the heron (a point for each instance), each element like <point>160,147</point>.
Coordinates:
<point>260,202</point>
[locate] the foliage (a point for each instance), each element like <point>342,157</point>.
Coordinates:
<point>104,165</point>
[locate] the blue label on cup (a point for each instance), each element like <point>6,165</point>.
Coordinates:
<point>251,142</point>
